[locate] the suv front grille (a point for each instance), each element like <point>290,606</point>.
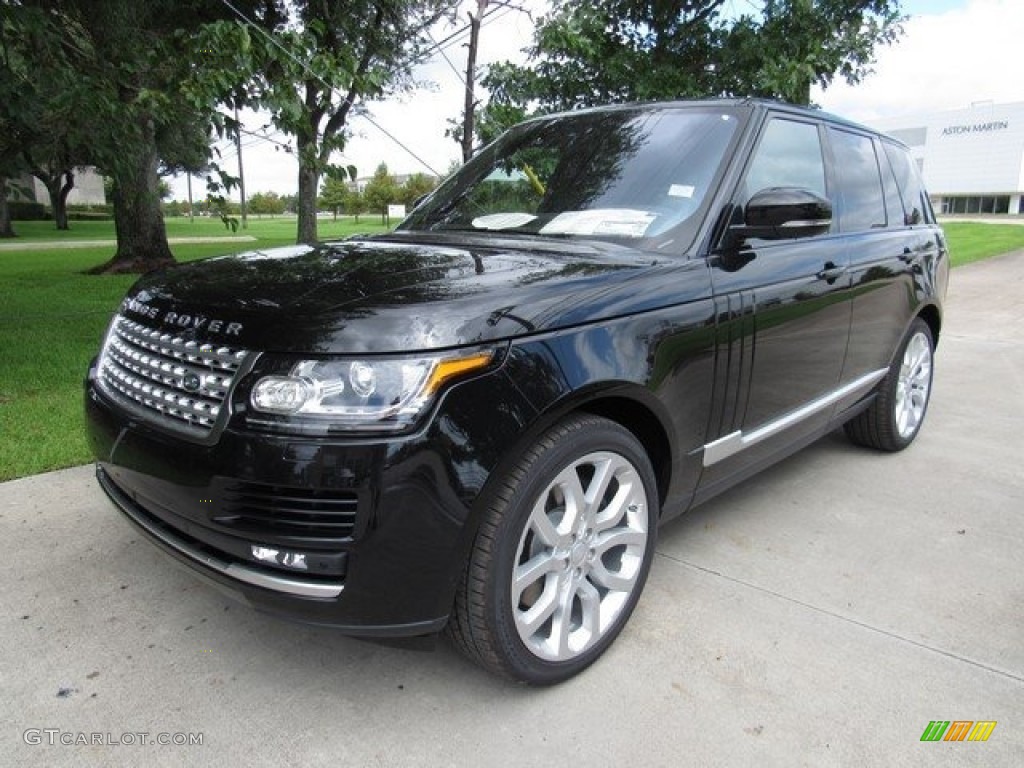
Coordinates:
<point>287,514</point>
<point>180,383</point>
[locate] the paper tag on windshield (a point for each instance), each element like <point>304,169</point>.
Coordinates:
<point>619,222</point>
<point>681,190</point>
<point>502,220</point>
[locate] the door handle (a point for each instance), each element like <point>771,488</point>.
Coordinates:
<point>831,272</point>
<point>907,256</point>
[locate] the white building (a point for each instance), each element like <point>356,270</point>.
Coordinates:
<point>972,159</point>
<point>88,189</point>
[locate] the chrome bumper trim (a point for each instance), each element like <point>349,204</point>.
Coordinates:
<point>231,570</point>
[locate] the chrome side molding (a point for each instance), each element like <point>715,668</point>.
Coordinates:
<point>733,443</point>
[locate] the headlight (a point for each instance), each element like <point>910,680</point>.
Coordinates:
<point>365,393</point>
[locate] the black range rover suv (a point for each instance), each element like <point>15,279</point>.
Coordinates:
<point>478,421</point>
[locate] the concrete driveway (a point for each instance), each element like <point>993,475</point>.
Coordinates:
<point>823,613</point>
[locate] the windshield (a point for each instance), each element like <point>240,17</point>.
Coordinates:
<point>634,175</point>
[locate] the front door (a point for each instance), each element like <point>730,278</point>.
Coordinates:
<point>783,309</point>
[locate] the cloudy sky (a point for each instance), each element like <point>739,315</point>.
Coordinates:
<point>953,53</point>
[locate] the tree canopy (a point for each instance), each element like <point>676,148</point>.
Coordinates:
<point>608,51</point>
<point>314,75</point>
<point>139,81</point>
<point>381,191</point>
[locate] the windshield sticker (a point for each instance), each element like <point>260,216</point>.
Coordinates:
<point>681,190</point>
<point>621,222</point>
<point>502,220</point>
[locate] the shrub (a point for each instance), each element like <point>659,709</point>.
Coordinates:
<point>27,211</point>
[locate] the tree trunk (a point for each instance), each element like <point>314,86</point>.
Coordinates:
<point>139,222</point>
<point>6,230</point>
<point>59,186</point>
<point>309,180</point>
<point>62,199</point>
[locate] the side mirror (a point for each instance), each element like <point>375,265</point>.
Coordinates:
<point>781,213</point>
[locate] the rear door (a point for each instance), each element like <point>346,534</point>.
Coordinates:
<point>889,235</point>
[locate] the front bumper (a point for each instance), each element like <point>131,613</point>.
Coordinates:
<point>384,524</point>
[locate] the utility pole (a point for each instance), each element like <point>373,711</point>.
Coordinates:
<point>469,108</point>
<point>241,174</point>
<point>469,105</point>
<point>191,212</point>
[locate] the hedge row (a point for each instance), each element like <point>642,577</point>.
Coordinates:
<point>23,211</point>
<point>28,211</point>
<point>89,216</point>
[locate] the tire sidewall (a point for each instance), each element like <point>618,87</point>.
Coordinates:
<point>545,461</point>
<point>918,326</point>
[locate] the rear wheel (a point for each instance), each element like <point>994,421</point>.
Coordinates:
<point>893,420</point>
<point>561,556</point>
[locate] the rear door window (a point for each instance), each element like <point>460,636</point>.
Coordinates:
<point>861,202</point>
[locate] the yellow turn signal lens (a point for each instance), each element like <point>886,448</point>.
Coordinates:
<point>449,369</point>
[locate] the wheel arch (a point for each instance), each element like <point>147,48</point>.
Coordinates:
<point>629,405</point>
<point>933,318</point>
<point>644,424</point>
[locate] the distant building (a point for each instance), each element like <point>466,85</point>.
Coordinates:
<point>972,159</point>
<point>88,189</point>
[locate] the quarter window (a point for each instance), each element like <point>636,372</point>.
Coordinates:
<point>909,182</point>
<point>893,202</point>
<point>862,205</point>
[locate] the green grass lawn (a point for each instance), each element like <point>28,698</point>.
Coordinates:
<point>972,241</point>
<point>52,318</point>
<point>268,230</point>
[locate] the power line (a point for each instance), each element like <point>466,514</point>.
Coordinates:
<point>444,56</point>
<point>345,100</point>
<point>450,40</point>
<point>501,10</point>
<point>263,137</point>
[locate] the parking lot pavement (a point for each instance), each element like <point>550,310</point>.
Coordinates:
<point>823,613</point>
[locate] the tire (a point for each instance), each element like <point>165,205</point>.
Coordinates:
<point>895,417</point>
<point>581,565</point>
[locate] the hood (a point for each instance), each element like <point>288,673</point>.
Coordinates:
<point>396,293</point>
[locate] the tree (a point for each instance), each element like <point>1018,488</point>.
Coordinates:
<point>332,194</point>
<point>610,51</point>
<point>269,203</point>
<point>381,191</point>
<point>42,125</point>
<point>354,202</point>
<point>144,84</point>
<point>797,43</point>
<point>415,187</point>
<point>318,71</point>
<point>15,102</point>
<point>6,226</point>
<point>9,168</point>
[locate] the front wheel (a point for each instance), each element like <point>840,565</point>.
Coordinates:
<point>561,556</point>
<point>893,420</point>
